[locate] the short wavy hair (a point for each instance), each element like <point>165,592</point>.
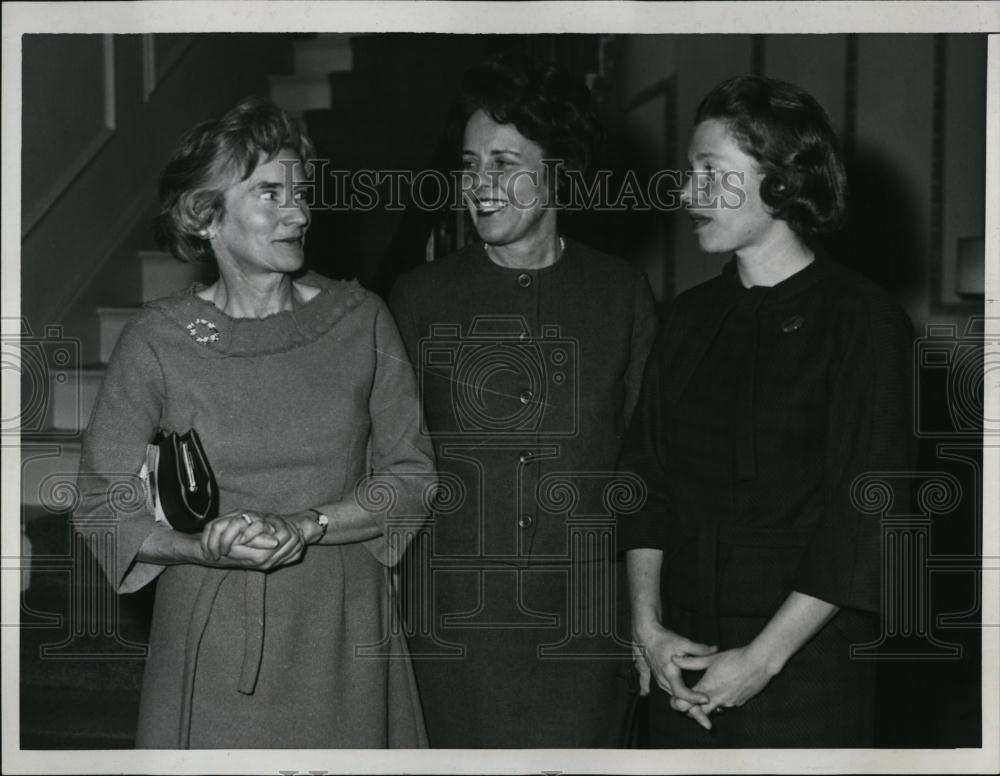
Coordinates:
<point>544,102</point>
<point>207,158</point>
<point>789,134</point>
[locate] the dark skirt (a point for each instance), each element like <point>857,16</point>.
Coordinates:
<point>516,659</point>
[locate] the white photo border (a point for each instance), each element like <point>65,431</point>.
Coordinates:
<point>497,17</point>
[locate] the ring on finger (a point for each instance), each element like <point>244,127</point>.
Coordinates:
<point>247,519</point>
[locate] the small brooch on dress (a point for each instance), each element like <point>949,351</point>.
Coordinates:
<point>212,336</point>
<point>793,324</point>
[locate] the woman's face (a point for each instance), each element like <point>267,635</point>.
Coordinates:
<point>509,189</point>
<point>264,224</point>
<point>722,195</point>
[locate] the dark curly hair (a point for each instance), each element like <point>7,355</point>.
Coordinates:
<point>789,135</point>
<point>544,102</point>
<point>208,156</point>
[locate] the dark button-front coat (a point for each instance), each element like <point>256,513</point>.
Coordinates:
<point>516,604</point>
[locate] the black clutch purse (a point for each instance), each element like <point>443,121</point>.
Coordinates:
<point>180,485</point>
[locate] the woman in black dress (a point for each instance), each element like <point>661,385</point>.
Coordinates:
<point>773,388</point>
<point>530,349</point>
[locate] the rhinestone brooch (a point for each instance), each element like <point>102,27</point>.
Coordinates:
<point>193,329</point>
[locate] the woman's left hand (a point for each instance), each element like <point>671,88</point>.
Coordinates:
<point>259,530</point>
<point>218,537</point>
<point>731,678</point>
<point>291,542</point>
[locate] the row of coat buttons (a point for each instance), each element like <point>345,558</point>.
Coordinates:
<point>525,521</point>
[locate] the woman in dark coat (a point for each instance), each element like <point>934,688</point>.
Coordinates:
<point>530,349</point>
<point>773,388</point>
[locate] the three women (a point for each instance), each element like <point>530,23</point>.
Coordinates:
<point>751,571</point>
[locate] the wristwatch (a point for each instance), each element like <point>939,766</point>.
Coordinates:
<point>322,521</point>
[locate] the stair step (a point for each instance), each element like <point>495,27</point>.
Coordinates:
<point>56,581</point>
<point>355,90</point>
<point>75,632</point>
<point>41,359</point>
<point>111,627</point>
<point>92,718</point>
<point>299,93</point>
<point>326,53</point>
<point>112,321</point>
<point>48,471</point>
<point>423,53</point>
<point>71,399</point>
<point>367,135</point>
<point>122,671</point>
<point>80,693</point>
<point>164,275</point>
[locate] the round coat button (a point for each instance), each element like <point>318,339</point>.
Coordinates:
<point>526,396</point>
<point>525,521</point>
<point>524,280</point>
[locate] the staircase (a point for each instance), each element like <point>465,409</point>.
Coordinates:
<point>386,118</point>
<point>393,112</point>
<point>82,648</point>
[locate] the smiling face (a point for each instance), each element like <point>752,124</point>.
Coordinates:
<point>723,195</point>
<point>509,190</point>
<point>262,229</point>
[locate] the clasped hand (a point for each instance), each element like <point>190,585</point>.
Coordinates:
<point>654,649</point>
<point>252,540</point>
<point>731,678</point>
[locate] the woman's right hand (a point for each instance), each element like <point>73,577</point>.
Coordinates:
<point>653,648</point>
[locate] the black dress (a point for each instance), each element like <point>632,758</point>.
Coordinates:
<point>516,604</point>
<point>759,409</point>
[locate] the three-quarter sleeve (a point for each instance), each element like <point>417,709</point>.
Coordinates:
<point>124,420</point>
<point>869,431</point>
<point>401,456</point>
<point>643,455</point>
